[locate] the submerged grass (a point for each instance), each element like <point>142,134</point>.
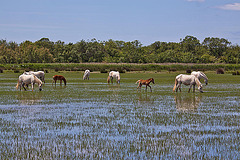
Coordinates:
<point>95,120</point>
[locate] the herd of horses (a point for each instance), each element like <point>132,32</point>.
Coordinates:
<point>39,77</point>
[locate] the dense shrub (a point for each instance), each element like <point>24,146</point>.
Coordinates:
<point>220,71</point>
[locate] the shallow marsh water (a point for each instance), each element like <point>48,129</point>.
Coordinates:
<point>96,120</point>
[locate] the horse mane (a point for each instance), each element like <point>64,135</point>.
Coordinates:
<point>204,75</point>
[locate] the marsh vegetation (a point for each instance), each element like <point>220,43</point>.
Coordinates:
<point>93,119</point>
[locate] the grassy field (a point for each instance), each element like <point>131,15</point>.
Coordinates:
<point>94,120</point>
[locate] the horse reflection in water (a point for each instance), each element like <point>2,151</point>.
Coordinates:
<point>145,99</point>
<point>25,98</point>
<point>187,103</point>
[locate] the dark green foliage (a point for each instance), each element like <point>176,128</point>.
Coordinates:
<point>189,50</point>
<point>236,73</point>
<point>220,71</point>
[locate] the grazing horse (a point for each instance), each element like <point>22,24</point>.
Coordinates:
<point>28,79</point>
<point>59,77</point>
<point>86,74</point>
<point>200,75</point>
<point>145,82</point>
<point>187,80</point>
<point>113,74</point>
<point>39,74</point>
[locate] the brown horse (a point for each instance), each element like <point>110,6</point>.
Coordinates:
<point>59,77</point>
<point>145,82</point>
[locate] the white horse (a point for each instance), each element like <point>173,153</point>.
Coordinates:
<point>200,75</point>
<point>86,74</point>
<point>113,74</point>
<point>28,79</point>
<point>187,80</point>
<point>39,74</point>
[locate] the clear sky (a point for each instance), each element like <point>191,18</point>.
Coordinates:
<point>127,20</point>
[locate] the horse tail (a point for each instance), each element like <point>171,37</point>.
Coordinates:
<point>175,84</point>
<point>108,79</point>
<point>17,85</point>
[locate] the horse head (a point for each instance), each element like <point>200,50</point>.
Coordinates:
<point>118,79</point>
<point>152,80</point>
<point>200,88</point>
<point>39,82</point>
<point>206,82</point>
<point>40,86</point>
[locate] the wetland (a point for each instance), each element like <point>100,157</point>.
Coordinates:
<point>90,119</point>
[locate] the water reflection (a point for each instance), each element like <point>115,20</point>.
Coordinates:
<point>187,102</point>
<point>29,98</point>
<point>114,87</point>
<point>59,87</point>
<point>144,98</point>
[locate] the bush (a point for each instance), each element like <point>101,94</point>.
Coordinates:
<point>235,73</point>
<point>188,71</point>
<point>16,71</point>
<point>220,71</point>
<point>172,69</point>
<point>103,71</point>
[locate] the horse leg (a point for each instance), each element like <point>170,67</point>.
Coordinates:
<point>150,87</point>
<point>179,87</point>
<point>60,82</point>
<point>139,86</point>
<point>190,88</point>
<point>193,88</point>
<point>32,86</point>
<point>23,86</point>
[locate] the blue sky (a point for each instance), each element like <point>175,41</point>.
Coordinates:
<point>127,20</point>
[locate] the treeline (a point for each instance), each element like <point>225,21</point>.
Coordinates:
<point>188,50</point>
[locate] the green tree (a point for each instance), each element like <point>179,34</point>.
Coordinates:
<point>216,46</point>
